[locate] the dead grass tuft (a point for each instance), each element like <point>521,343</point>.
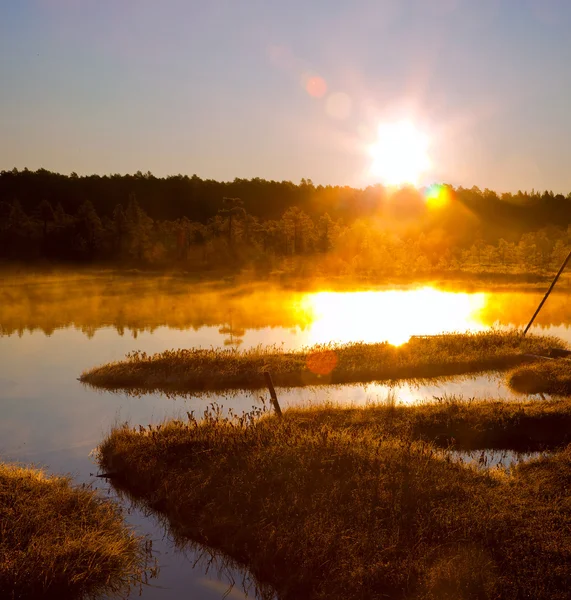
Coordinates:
<point>62,541</point>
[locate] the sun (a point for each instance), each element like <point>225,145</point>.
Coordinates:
<point>400,154</point>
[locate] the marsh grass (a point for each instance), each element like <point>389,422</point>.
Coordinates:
<point>545,377</point>
<point>62,541</point>
<point>323,505</point>
<point>456,423</point>
<point>199,369</point>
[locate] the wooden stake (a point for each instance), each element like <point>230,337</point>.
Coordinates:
<point>548,292</point>
<point>273,394</point>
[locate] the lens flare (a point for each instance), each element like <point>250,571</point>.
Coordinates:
<point>322,363</point>
<point>437,196</point>
<point>316,87</point>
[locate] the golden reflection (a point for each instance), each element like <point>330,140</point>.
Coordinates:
<point>392,316</point>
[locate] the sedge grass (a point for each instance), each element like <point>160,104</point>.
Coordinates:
<point>199,369</point>
<point>61,541</point>
<point>545,377</point>
<point>323,508</point>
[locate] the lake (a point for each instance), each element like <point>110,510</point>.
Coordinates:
<point>52,327</point>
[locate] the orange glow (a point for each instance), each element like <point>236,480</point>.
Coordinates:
<point>400,154</point>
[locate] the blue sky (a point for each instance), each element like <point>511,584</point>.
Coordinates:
<point>218,87</point>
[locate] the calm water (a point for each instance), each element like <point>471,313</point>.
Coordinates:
<point>53,328</point>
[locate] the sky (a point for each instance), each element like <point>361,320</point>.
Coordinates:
<point>288,90</point>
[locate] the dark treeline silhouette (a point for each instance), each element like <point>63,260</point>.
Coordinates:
<point>267,225</point>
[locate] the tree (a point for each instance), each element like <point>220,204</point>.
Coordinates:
<point>89,230</point>
<point>325,227</point>
<point>527,250</point>
<point>18,218</point>
<point>233,209</point>
<point>46,215</point>
<point>60,216</point>
<point>140,227</point>
<point>120,228</point>
<point>5,210</point>
<point>17,231</point>
<point>503,251</point>
<point>298,227</point>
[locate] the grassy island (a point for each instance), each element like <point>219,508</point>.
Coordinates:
<point>198,369</point>
<point>331,503</point>
<point>545,377</point>
<point>62,541</point>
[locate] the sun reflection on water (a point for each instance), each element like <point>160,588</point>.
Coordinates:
<point>392,316</point>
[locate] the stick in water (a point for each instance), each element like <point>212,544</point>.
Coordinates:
<point>273,394</point>
<point>548,292</point>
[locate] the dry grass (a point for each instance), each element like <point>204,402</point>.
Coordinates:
<point>198,369</point>
<point>545,377</point>
<point>60,541</point>
<point>322,508</point>
<point>451,422</point>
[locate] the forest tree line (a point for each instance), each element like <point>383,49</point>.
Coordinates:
<point>196,224</point>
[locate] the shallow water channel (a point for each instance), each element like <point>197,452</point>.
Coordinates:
<point>54,327</point>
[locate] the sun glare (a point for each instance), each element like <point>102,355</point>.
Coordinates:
<point>393,315</point>
<point>400,154</point>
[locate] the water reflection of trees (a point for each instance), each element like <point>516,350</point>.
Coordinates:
<point>235,334</point>
<point>233,577</point>
<point>144,303</point>
<point>137,304</point>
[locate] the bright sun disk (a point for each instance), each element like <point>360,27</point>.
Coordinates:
<point>400,154</point>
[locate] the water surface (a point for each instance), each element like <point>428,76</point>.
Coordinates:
<point>54,327</point>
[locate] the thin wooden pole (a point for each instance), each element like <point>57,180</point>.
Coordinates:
<point>548,292</point>
<point>273,394</point>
